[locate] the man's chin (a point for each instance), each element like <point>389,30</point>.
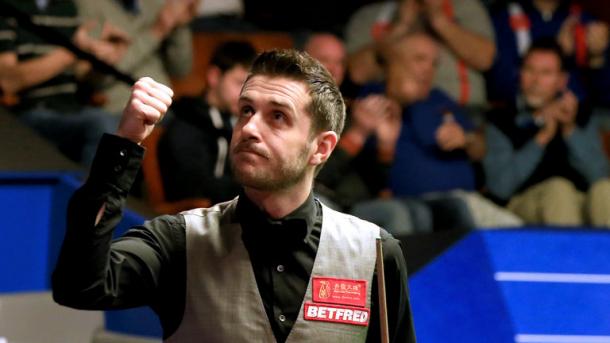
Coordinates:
<point>255,182</point>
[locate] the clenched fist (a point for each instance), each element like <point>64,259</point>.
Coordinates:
<point>147,105</point>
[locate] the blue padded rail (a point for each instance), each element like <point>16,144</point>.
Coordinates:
<point>527,285</point>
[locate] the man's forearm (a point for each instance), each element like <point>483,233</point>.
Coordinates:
<point>474,49</point>
<point>586,155</point>
<point>17,76</point>
<point>83,261</point>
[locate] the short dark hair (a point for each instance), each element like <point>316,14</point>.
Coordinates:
<point>326,107</point>
<point>231,54</point>
<point>548,45</point>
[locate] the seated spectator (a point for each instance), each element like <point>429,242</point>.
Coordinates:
<point>193,150</point>
<point>544,159</point>
<point>354,176</point>
<point>583,39</point>
<point>44,76</point>
<point>463,27</point>
<point>159,45</point>
<point>432,159</point>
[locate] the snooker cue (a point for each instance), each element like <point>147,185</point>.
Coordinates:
<point>383,310</point>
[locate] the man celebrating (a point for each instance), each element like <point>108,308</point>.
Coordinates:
<point>272,265</point>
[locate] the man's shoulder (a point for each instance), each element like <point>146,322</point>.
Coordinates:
<point>350,219</point>
<point>221,207</point>
<point>167,229</point>
<point>391,245</point>
<point>224,212</point>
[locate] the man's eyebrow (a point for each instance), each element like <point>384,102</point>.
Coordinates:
<point>273,102</point>
<point>245,98</point>
<point>281,104</point>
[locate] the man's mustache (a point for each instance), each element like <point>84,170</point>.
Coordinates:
<point>245,146</point>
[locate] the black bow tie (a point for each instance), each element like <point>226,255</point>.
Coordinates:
<point>291,230</point>
<point>269,234</point>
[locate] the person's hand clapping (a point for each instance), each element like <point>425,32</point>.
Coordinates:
<point>549,123</point>
<point>566,112</point>
<point>388,129</point>
<point>450,135</point>
<point>368,112</point>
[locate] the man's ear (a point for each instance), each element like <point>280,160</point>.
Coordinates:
<point>325,143</point>
<point>212,76</point>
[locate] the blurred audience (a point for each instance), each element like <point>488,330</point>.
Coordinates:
<point>412,74</point>
<point>313,15</point>
<point>159,43</point>
<point>544,155</point>
<point>44,76</point>
<point>193,151</point>
<point>519,23</point>
<point>330,51</point>
<point>354,176</point>
<point>463,28</point>
<point>432,168</point>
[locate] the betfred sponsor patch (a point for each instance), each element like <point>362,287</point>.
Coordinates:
<point>336,314</point>
<point>339,291</point>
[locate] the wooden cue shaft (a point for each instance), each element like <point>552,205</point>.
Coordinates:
<point>383,309</point>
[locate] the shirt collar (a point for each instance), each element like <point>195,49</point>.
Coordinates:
<point>525,114</point>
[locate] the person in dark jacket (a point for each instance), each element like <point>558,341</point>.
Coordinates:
<point>193,152</point>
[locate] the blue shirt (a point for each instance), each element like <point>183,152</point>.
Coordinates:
<point>420,166</point>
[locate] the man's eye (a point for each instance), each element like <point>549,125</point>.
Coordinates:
<point>278,115</point>
<point>246,111</point>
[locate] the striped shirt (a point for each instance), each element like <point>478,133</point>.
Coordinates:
<point>59,92</point>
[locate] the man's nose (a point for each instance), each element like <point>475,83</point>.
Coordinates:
<point>251,127</point>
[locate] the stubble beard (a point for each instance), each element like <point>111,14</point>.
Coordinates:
<point>270,180</point>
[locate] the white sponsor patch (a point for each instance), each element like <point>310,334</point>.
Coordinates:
<point>336,314</point>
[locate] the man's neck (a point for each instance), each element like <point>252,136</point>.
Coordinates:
<point>211,98</point>
<point>278,204</point>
